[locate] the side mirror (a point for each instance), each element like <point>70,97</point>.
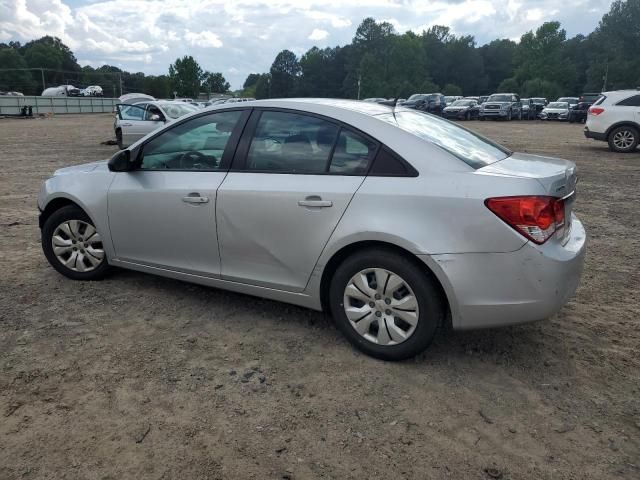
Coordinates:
<point>121,162</point>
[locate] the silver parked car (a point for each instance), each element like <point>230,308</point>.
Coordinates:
<point>396,222</point>
<point>133,122</point>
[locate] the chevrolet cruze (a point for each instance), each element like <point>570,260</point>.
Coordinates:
<point>395,221</point>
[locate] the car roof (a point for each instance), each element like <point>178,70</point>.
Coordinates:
<point>369,108</point>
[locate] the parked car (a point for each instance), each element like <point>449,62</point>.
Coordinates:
<point>92,91</point>
<point>135,121</point>
<point>297,200</point>
<point>239,99</point>
<point>426,102</point>
<point>61,91</point>
<point>501,105</point>
<point>375,100</point>
<point>570,100</point>
<point>615,118</point>
<point>529,111</point>
<point>449,99</point>
<point>462,110</point>
<point>539,103</point>
<point>589,97</point>
<point>483,98</point>
<point>12,94</point>
<point>132,98</point>
<point>578,113</point>
<point>555,111</point>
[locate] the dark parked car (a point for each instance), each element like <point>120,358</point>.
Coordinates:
<point>529,110</point>
<point>426,102</point>
<point>578,113</point>
<point>502,105</point>
<point>539,103</point>
<point>590,97</point>
<point>464,109</point>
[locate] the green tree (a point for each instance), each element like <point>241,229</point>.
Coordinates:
<point>451,89</point>
<point>19,80</point>
<point>537,87</point>
<point>285,72</point>
<point>263,86</point>
<point>499,62</point>
<point>509,85</point>
<point>251,80</point>
<point>215,82</point>
<point>186,76</point>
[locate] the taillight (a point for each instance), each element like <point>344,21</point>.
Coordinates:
<point>535,217</point>
<point>595,110</point>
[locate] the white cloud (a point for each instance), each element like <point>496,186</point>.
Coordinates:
<point>243,36</point>
<point>318,34</point>
<point>203,39</point>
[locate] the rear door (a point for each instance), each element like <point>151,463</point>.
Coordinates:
<point>134,123</point>
<point>292,179</point>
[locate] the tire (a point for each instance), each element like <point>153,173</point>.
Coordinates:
<point>509,116</point>
<point>623,139</point>
<point>520,115</point>
<point>89,261</point>
<point>467,116</point>
<point>482,119</point>
<point>418,288</point>
<point>119,139</point>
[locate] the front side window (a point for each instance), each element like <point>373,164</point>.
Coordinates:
<point>473,149</point>
<point>131,112</point>
<point>197,144</point>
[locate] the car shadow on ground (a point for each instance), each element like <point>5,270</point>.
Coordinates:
<point>526,344</point>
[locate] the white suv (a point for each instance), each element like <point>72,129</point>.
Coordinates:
<point>615,118</point>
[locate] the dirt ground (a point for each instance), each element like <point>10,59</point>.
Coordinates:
<point>141,377</point>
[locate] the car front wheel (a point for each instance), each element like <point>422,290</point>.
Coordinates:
<point>623,139</point>
<point>73,246</point>
<point>385,304</point>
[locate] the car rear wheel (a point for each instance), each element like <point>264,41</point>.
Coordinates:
<point>623,139</point>
<point>385,305</point>
<point>73,246</point>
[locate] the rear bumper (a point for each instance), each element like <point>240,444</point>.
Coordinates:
<point>498,289</point>
<point>595,135</point>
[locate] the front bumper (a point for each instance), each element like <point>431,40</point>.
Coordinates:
<point>498,289</point>
<point>458,115</point>
<point>494,113</point>
<point>595,135</point>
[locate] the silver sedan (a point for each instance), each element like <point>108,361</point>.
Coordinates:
<point>395,221</point>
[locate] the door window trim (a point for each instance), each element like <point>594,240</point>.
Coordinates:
<point>239,163</point>
<point>229,149</point>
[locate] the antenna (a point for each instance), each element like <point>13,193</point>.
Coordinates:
<point>393,108</point>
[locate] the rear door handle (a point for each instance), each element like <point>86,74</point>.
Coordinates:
<point>195,198</point>
<point>315,201</point>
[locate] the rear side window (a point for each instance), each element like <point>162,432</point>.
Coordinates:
<point>600,100</point>
<point>388,164</point>
<point>633,101</point>
<point>352,154</point>
<point>473,149</point>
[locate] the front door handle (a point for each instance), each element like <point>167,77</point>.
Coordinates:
<point>195,198</point>
<point>315,201</point>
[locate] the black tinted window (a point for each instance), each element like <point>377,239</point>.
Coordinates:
<point>388,164</point>
<point>630,102</point>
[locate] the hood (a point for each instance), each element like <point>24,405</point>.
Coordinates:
<point>84,168</point>
<point>452,108</point>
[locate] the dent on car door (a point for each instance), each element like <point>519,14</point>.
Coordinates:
<point>163,213</point>
<point>292,179</point>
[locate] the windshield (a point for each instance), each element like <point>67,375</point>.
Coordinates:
<point>473,149</point>
<point>499,98</point>
<point>462,103</point>
<point>177,109</point>
<point>558,105</point>
<point>417,96</point>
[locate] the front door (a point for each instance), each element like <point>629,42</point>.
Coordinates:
<point>292,179</point>
<point>163,213</point>
<point>135,122</point>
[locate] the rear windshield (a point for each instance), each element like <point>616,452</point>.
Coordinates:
<point>473,149</point>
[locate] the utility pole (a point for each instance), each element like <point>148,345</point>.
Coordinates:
<point>120,82</point>
<point>606,75</point>
<point>44,86</point>
<point>359,81</point>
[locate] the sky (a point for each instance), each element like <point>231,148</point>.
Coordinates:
<point>238,37</point>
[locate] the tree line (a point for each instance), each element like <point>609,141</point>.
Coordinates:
<point>379,62</point>
<point>59,67</point>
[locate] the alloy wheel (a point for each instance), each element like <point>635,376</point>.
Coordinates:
<point>77,245</point>
<point>623,139</point>
<point>381,306</point>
